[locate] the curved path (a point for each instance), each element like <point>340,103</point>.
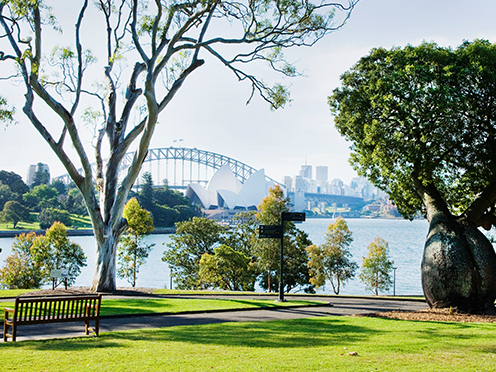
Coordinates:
<point>338,305</point>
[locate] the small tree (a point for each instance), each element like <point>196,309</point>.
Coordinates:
<point>227,269</point>
<point>132,252</point>
<point>267,250</point>
<point>376,267</point>
<point>20,270</point>
<point>191,241</point>
<point>14,212</point>
<point>332,260</point>
<point>54,250</point>
<point>49,216</point>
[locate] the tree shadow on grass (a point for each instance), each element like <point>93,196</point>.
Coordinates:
<point>306,332</point>
<point>135,306</point>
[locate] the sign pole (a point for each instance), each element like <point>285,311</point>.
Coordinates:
<point>272,232</point>
<point>281,271</point>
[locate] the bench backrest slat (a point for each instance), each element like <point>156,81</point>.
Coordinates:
<point>56,308</point>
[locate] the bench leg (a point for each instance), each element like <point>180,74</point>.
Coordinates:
<point>87,327</point>
<point>97,326</point>
<point>5,330</point>
<point>6,334</point>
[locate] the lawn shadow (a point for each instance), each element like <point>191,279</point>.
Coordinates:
<point>307,332</point>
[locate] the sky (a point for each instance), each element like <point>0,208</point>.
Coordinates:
<point>210,111</point>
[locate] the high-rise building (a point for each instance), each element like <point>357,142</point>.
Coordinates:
<point>321,174</point>
<point>288,183</point>
<point>38,168</point>
<point>306,171</point>
<point>299,184</point>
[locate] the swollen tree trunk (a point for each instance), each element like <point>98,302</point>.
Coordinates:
<point>459,266</point>
<point>459,262</point>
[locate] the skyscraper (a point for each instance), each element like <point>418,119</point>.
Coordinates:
<point>321,174</point>
<point>306,171</point>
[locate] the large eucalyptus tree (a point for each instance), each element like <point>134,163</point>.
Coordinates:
<point>164,38</point>
<point>422,123</point>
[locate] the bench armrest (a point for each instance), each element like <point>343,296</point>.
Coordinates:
<point>7,311</point>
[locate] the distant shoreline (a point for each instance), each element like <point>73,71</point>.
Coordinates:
<point>76,232</point>
<point>162,230</point>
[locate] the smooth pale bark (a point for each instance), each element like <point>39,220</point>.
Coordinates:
<point>104,278</point>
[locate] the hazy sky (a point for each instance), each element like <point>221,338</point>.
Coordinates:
<point>210,113</point>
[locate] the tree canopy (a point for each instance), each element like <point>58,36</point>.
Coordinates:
<point>422,125</point>
<point>421,121</point>
<point>145,51</point>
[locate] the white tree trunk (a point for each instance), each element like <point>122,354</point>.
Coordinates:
<point>104,275</point>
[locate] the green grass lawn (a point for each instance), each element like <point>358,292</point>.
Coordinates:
<point>78,222</point>
<point>317,344</point>
<point>176,305</point>
<point>14,292</point>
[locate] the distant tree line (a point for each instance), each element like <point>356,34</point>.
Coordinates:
<point>50,202</point>
<point>167,206</point>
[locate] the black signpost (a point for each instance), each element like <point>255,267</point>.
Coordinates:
<point>277,232</point>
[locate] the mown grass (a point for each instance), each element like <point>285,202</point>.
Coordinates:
<point>78,222</point>
<point>274,294</point>
<point>130,306</point>
<point>14,292</point>
<point>317,344</point>
<point>177,305</point>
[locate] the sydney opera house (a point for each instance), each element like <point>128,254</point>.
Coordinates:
<point>225,191</point>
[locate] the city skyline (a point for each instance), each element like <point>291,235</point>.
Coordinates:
<point>210,112</point>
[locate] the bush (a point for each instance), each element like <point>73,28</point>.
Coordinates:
<point>49,216</point>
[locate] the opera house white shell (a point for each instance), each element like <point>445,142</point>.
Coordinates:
<point>225,191</point>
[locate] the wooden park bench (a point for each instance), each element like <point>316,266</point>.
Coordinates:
<point>52,309</point>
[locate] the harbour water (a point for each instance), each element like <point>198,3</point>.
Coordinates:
<point>406,242</point>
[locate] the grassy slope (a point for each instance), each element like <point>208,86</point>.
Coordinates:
<point>77,222</point>
<point>318,344</point>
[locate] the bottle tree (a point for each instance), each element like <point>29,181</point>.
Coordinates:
<point>422,123</point>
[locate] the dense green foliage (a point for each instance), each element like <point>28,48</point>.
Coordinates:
<point>14,212</point>
<point>34,256</point>
<point>20,270</point>
<point>132,251</point>
<point>56,201</point>
<point>166,206</point>
<point>331,261</point>
<point>422,121</point>
<point>191,241</point>
<point>227,269</point>
<point>48,216</point>
<point>204,253</point>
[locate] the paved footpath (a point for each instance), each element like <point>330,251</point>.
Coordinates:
<point>338,305</point>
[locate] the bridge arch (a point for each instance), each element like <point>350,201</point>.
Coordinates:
<point>188,165</point>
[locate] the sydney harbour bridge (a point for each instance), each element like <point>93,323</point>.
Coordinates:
<point>180,166</point>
